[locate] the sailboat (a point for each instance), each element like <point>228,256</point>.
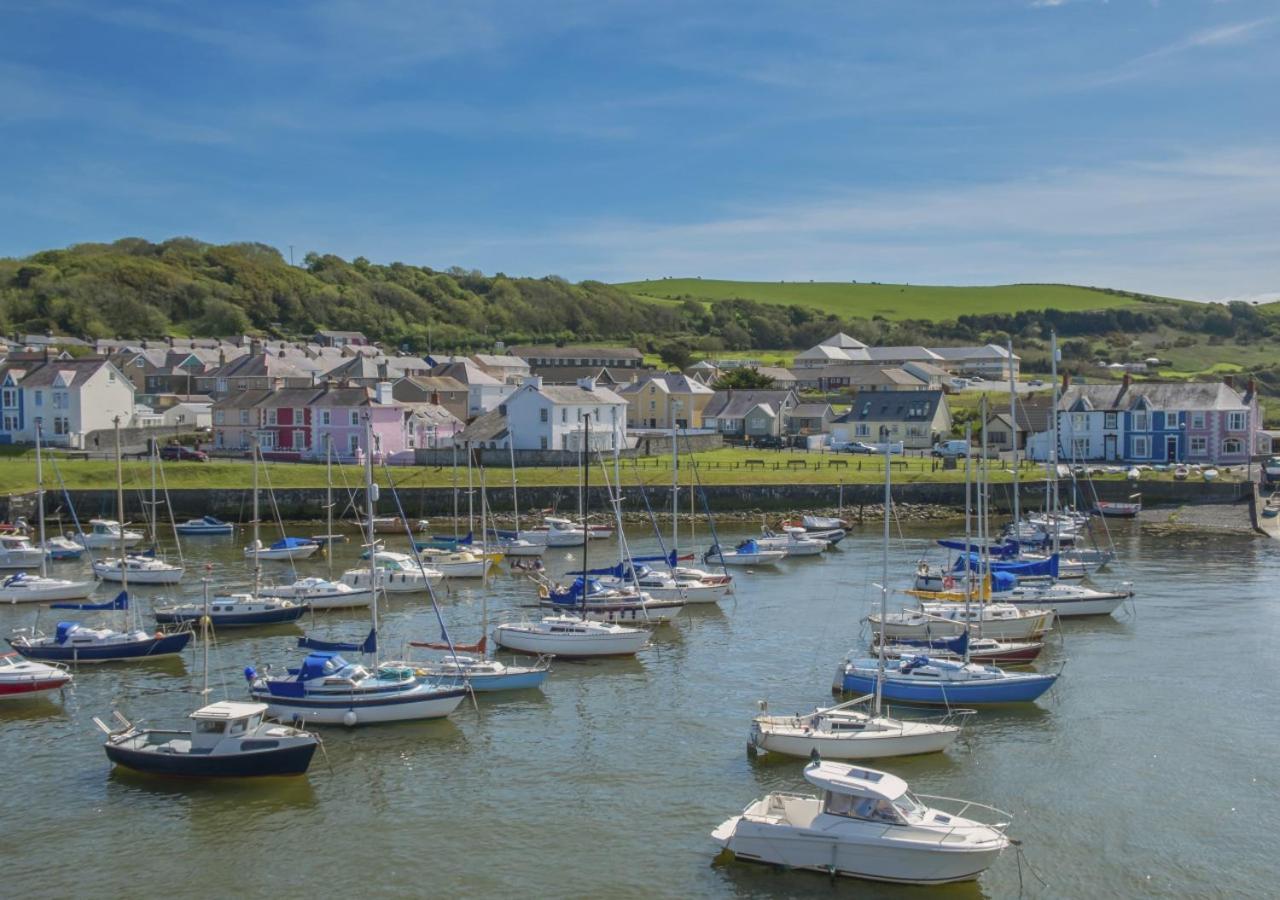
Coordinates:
<point>942,682</point>
<point>77,643</point>
<point>143,568</point>
<point>287,548</point>
<point>859,728</point>
<point>23,588</point>
<point>567,635</point>
<point>328,690</point>
<point>226,739</point>
<point>483,673</point>
<point>239,609</point>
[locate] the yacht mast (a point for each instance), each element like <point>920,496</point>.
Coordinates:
<point>515,494</point>
<point>371,499</point>
<point>1053,430</point>
<point>44,552</point>
<point>968,530</point>
<point>328,502</point>
<point>582,505</point>
<point>257,541</point>
<point>1013,434</point>
<point>675,495</point>
<point>884,569</point>
<point>124,570</point>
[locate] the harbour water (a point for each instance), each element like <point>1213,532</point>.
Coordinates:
<point>1151,769</point>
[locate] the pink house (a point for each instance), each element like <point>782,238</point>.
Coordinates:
<point>338,420</point>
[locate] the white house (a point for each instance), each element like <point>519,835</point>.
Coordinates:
<point>552,417</point>
<point>484,392</point>
<point>70,397</point>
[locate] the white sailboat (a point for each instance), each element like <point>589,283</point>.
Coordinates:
<point>860,728</point>
<point>144,568</point>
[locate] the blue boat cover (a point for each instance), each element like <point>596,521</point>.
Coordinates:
<point>573,593</point>
<point>15,578</point>
<point>121,601</point>
<point>370,644</point>
<point>211,520</point>
<point>64,631</point>
<point>957,645</point>
<point>289,542</point>
<point>1039,567</point>
<point>749,546</point>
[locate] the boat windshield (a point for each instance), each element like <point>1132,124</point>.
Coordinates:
<point>909,806</point>
<point>868,808</point>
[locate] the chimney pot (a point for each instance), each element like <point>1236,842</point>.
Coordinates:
<point>1127,380</point>
<point>1066,380</point>
<point>1229,380</point>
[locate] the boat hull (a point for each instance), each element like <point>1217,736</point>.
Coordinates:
<point>392,582</point>
<point>165,645</point>
<point>233,619</point>
<point>276,761</point>
<point>866,746</point>
<point>1022,689</point>
<point>143,576</point>
<point>569,646</point>
<point>340,709</point>
<point>931,862</point>
<point>1067,607</point>
<point>1020,629</point>
<point>76,590</point>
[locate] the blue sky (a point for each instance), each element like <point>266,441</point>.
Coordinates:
<point>1132,144</point>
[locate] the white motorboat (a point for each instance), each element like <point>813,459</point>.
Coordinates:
<point>519,547</point>
<point>793,542</point>
<point>284,549</point>
<point>205,525</point>
<point>867,824</point>
<point>398,573</point>
<point>851,730</point>
<point>748,553</point>
<point>394,525</point>
<point>723,580</point>
<point>138,569</point>
<point>321,593</point>
<point>823,523</point>
<point>1002,621</point>
<point>459,563</point>
<point>107,534</point>
<point>570,636</point>
<point>556,532</point>
<point>17,552</point>
<point>22,679</point>
<point>23,588</point>
<point>663,586</point>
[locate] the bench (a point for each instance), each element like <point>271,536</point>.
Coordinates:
<point>753,463</point>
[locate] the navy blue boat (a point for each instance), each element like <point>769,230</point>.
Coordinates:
<point>73,642</point>
<point>235,611</point>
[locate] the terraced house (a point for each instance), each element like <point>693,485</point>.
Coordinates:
<point>1154,422</point>
<point>69,397</point>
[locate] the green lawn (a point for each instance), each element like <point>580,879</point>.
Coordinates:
<point>728,466</point>
<point>892,301</point>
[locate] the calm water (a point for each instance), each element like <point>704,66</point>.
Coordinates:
<point>1150,770</point>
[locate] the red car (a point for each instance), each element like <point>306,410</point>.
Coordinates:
<point>178,452</point>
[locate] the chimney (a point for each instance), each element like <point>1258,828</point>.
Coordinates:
<point>1126,381</point>
<point>435,398</point>
<point>534,381</point>
<point>255,347</point>
<point>1066,380</point>
<point>1229,381</point>
<point>587,384</point>
<point>1250,386</point>
<point>382,395</point>
<point>382,370</point>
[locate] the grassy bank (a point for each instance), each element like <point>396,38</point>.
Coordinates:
<point>728,466</point>
<point>892,301</point>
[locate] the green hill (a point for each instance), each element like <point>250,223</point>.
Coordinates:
<point>892,301</point>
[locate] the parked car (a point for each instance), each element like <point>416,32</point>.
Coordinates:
<point>768,442</point>
<point>185,454</point>
<point>1035,382</point>
<point>951,448</point>
<point>859,447</point>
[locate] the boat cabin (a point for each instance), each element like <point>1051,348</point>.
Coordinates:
<point>104,526</point>
<point>853,792</point>
<point>224,719</point>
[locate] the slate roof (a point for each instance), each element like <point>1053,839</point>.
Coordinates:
<point>735,404</point>
<point>491,426</point>
<point>668,383</point>
<point>1195,395</point>
<point>893,406</point>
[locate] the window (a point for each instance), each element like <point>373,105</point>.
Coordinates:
<point>1080,448</point>
<point>1170,418</point>
<point>1079,421</point>
<point>542,414</point>
<point>39,398</point>
<point>353,443</point>
<point>1232,446</point>
<point>355,417</point>
<point>1112,421</point>
<point>1235,421</point>
<point>324,416</point>
<point>542,441</point>
<point>60,400</point>
<point>271,416</point>
<point>564,415</point>
<point>652,405</point>
<point>10,397</point>
<point>299,440</point>
<point>862,429</point>
<point>1141,421</point>
<point>1142,447</point>
<point>1199,446</point>
<point>244,417</point>
<point>1197,420</point>
<point>10,423</point>
<point>218,416</point>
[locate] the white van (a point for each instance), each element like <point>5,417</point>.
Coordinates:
<point>951,448</point>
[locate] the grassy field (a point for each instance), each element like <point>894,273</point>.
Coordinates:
<point>727,466</point>
<point>892,301</point>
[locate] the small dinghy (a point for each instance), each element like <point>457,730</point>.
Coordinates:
<point>867,824</point>
<point>284,549</point>
<point>748,553</point>
<point>60,549</point>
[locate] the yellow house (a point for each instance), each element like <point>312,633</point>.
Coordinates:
<point>666,400</point>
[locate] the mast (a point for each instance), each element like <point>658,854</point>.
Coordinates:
<point>884,569</point>
<point>582,505</point>
<point>1053,428</point>
<point>155,504</point>
<point>371,498</point>
<point>515,494</point>
<point>1013,434</point>
<point>484,526</point>
<point>968,530</point>
<point>328,501</point>
<point>471,493</point>
<point>124,570</point>
<point>675,495</point>
<point>44,551</point>
<point>454,448</point>
<point>984,517</point>
<point>257,541</point>
<point>204,634</point>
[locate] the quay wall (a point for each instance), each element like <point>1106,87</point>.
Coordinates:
<point>308,503</point>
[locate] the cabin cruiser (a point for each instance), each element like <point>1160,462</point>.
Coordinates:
<point>107,534</point>
<point>207,525</point>
<point>664,586</point>
<point>321,593</point>
<point>793,541</point>
<point>867,824</point>
<point>238,610</point>
<point>1002,621</point>
<point>20,587</point>
<point>748,553</point>
<point>484,675</point>
<point>398,573</point>
<point>22,679</point>
<point>286,548</point>
<point>16,552</point>
<point>137,568</point>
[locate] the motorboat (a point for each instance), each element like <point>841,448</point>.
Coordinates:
<point>23,588</point>
<point>205,525</point>
<point>60,549</point>
<point>286,548</point>
<point>722,580</point>
<point>22,679</point>
<point>327,690</point>
<point>17,552</point>
<point>1002,621</point>
<point>664,586</point>
<point>398,573</point>
<point>485,675</point>
<point>76,643</point>
<point>321,593</point>
<point>793,542</point>
<point>823,523</point>
<point>239,610</point>
<point>851,730</point>
<point>748,553</point>
<point>555,532</point>
<point>867,824</point>
<point>107,534</point>
<point>1120,510</point>
<point>570,636</point>
<point>227,739</point>
<point>460,563</point>
<point>394,525</point>
<point>940,682</point>
<point>137,568</point>
<point>832,536</point>
<point>517,547</point>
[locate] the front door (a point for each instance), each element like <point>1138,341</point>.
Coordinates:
<point>1171,449</point>
<point>1110,443</point>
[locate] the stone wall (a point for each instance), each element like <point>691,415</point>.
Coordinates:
<point>646,445</point>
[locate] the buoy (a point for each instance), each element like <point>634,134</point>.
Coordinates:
<point>349,718</point>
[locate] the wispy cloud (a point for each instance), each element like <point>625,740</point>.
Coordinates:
<point>1218,36</point>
